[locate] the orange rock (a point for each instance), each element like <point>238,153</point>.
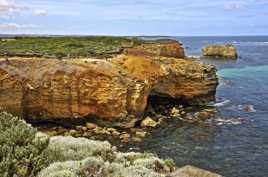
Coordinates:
<point>113,92</point>
<point>71,89</point>
<point>164,48</point>
<point>183,79</point>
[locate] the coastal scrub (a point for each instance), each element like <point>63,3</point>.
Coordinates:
<point>21,153</point>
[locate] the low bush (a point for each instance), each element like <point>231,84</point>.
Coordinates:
<point>21,152</point>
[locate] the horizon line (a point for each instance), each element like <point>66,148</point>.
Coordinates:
<point>111,35</point>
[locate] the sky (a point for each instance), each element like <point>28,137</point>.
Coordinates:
<point>134,17</point>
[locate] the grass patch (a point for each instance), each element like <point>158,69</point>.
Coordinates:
<point>68,47</point>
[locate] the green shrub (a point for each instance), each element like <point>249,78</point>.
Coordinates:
<point>21,152</point>
<point>86,46</point>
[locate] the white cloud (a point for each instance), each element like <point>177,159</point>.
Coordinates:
<point>5,16</point>
<point>10,6</point>
<point>15,26</point>
<point>40,12</point>
<point>235,5</point>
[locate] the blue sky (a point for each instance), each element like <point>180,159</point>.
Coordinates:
<point>135,17</point>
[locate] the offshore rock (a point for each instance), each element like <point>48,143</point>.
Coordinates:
<point>52,89</point>
<point>222,51</point>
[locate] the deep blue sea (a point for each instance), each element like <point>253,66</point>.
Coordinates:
<point>237,144</point>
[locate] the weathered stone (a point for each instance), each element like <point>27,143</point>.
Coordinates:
<point>164,48</point>
<point>91,125</point>
<point>124,137</point>
<point>175,112</point>
<point>148,122</point>
<point>113,92</point>
<point>136,139</point>
<point>191,171</point>
<point>202,115</point>
<point>141,134</point>
<point>73,132</point>
<point>101,131</point>
<point>223,51</point>
<point>45,89</point>
<point>205,114</point>
<point>186,81</point>
<point>113,131</point>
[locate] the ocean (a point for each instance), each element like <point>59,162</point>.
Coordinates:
<point>237,143</point>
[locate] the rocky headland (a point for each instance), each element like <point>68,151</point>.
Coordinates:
<point>113,91</point>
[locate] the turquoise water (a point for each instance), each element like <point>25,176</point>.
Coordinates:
<point>236,145</point>
<point>248,72</point>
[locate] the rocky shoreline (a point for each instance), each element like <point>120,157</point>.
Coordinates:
<point>121,97</point>
<point>114,91</point>
<point>39,155</point>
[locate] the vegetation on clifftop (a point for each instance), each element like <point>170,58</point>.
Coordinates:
<point>86,46</point>
<point>70,46</point>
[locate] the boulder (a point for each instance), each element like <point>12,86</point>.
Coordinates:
<point>148,122</point>
<point>191,171</point>
<point>222,51</point>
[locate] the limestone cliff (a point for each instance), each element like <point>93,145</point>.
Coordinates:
<point>114,90</point>
<point>164,48</point>
<point>186,80</point>
<point>42,89</point>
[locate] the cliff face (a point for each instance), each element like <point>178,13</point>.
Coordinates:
<point>165,48</point>
<point>115,90</point>
<point>221,51</point>
<point>45,89</point>
<point>187,81</point>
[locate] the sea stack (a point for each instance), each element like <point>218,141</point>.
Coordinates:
<point>227,51</point>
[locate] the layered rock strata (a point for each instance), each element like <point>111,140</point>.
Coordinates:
<point>115,90</point>
<point>164,48</point>
<point>184,80</point>
<point>43,89</point>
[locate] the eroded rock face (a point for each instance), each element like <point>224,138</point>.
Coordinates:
<point>42,89</point>
<point>223,51</point>
<point>166,48</point>
<point>187,81</point>
<point>114,91</point>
